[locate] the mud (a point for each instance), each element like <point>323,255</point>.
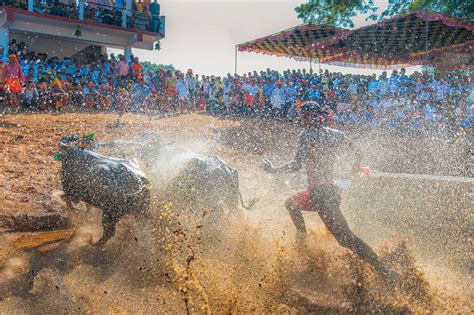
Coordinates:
<point>171,264</point>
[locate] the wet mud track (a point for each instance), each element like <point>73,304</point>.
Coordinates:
<point>250,267</point>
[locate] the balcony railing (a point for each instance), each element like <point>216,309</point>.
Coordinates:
<point>95,12</point>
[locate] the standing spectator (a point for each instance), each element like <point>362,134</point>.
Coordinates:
<point>250,96</point>
<point>155,8</point>
<point>191,84</point>
<point>291,92</point>
<point>141,95</point>
<point>278,99</point>
<point>171,87</point>
<point>13,78</point>
<point>137,68</point>
<point>183,93</point>
<point>2,53</point>
<point>123,68</point>
<point>2,81</point>
<point>373,86</point>
<point>394,82</point>
<point>405,83</point>
<point>214,90</point>
<point>155,16</point>
<point>267,90</point>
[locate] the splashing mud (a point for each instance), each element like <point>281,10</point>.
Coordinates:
<point>173,262</point>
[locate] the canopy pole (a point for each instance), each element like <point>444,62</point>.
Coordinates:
<point>426,46</point>
<point>235,60</point>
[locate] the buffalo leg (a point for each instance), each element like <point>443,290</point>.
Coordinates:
<point>67,201</point>
<point>108,222</point>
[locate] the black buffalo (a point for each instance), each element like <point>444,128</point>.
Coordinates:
<point>204,183</point>
<point>115,186</point>
<point>189,180</point>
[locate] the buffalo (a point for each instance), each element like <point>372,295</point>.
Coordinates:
<point>190,180</point>
<point>116,186</point>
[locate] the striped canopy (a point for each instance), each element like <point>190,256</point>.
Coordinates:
<point>414,38</point>
<point>297,42</point>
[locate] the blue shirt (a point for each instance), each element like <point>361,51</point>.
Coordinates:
<point>314,94</point>
<point>141,91</point>
<point>405,82</point>
<point>373,86</point>
<point>267,89</point>
<point>278,98</point>
<point>394,83</point>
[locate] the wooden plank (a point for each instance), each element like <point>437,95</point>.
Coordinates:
<point>32,240</point>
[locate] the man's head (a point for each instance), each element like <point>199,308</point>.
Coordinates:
<point>313,115</point>
<point>12,59</point>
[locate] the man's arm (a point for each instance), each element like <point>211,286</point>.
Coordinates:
<point>348,143</point>
<point>290,167</point>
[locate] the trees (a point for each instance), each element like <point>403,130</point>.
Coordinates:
<point>341,12</point>
<point>148,66</point>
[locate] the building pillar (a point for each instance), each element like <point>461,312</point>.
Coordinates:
<point>127,12</point>
<point>124,17</point>
<point>30,5</point>
<point>127,53</point>
<point>4,41</point>
<point>81,9</point>
<point>103,50</point>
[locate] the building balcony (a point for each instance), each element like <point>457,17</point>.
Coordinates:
<point>70,28</point>
<point>95,13</point>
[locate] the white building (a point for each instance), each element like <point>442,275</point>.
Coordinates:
<point>67,30</point>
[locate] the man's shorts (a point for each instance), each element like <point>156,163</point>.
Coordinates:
<point>322,197</point>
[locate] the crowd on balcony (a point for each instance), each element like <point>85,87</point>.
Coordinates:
<point>113,83</point>
<point>144,14</point>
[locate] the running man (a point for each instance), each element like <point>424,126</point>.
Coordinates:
<point>317,150</point>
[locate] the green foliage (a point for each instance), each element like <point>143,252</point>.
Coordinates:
<point>89,136</point>
<point>341,12</point>
<point>157,45</point>
<point>153,67</point>
<point>78,31</point>
<point>456,8</point>
<point>334,12</point>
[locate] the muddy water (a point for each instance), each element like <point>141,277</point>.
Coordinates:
<point>169,263</point>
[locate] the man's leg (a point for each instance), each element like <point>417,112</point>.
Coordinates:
<point>296,216</point>
<point>327,201</point>
<point>295,206</point>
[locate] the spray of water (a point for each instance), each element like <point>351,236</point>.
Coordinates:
<point>172,262</point>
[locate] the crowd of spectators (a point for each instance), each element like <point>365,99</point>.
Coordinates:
<point>143,15</point>
<point>114,83</point>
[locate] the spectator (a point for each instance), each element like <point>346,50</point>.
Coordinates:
<point>137,68</point>
<point>278,99</point>
<point>123,68</point>
<point>13,75</point>
<point>155,16</point>
<point>101,82</point>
